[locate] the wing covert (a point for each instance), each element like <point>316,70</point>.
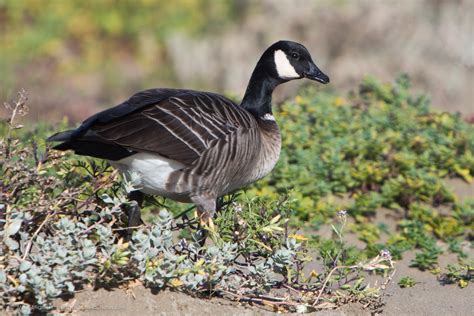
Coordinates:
<point>180,126</point>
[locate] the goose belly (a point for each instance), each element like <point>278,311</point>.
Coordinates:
<point>153,171</point>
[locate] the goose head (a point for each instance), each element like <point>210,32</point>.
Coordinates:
<point>280,63</point>
<point>288,60</point>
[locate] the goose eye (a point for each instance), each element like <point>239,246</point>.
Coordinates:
<point>295,55</point>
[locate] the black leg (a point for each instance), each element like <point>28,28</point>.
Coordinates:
<point>220,203</point>
<point>201,235</point>
<point>133,211</point>
<point>137,196</point>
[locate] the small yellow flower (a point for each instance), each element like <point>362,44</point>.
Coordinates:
<point>463,283</point>
<point>339,101</point>
<point>298,237</point>
<point>176,283</point>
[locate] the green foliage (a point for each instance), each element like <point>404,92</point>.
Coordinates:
<point>455,246</point>
<point>464,213</point>
<point>380,147</point>
<point>250,223</point>
<point>336,252</point>
<point>67,34</point>
<point>52,25</point>
<point>427,259</point>
<point>406,282</point>
<point>460,274</point>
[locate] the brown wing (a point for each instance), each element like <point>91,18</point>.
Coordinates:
<point>180,127</point>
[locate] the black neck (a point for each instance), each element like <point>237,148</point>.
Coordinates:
<point>258,96</point>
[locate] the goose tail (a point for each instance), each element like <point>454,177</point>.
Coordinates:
<point>64,137</point>
<point>61,136</point>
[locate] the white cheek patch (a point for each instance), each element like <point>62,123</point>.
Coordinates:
<point>284,68</point>
<point>268,117</point>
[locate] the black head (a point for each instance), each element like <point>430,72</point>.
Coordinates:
<point>281,62</point>
<point>291,60</point>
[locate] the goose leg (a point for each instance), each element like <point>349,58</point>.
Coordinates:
<point>206,208</point>
<point>133,211</point>
<point>220,203</point>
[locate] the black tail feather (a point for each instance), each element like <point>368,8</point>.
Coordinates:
<point>61,136</point>
<point>89,147</point>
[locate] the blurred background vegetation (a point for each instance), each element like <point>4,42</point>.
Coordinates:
<point>74,57</point>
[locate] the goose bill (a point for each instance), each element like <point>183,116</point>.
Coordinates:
<point>314,73</point>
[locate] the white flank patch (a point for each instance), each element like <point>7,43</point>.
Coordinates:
<point>268,117</point>
<point>284,68</point>
<point>152,169</point>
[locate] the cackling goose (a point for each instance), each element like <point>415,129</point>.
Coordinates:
<point>193,146</point>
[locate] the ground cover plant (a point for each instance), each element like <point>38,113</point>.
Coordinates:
<point>382,147</point>
<point>62,223</point>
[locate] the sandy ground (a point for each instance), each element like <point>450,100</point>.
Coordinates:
<point>427,297</point>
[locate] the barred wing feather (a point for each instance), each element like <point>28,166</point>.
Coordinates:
<point>180,126</point>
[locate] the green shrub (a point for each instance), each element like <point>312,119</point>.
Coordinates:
<point>382,145</point>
